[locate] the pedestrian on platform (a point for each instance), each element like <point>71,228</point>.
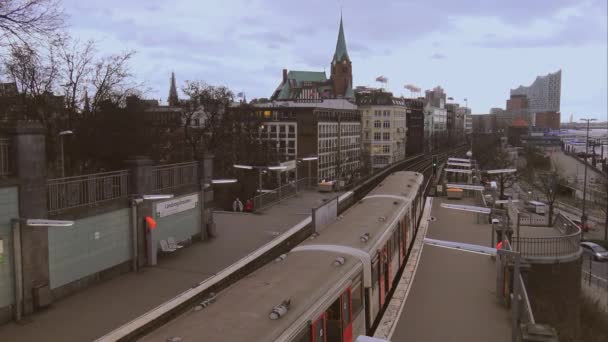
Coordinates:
<point>249,206</point>
<point>237,205</point>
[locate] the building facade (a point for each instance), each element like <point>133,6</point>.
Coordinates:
<point>435,118</point>
<point>328,131</point>
<point>384,127</point>
<point>310,114</point>
<point>414,121</point>
<point>547,120</point>
<point>543,94</point>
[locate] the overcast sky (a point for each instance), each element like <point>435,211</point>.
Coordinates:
<point>473,49</point>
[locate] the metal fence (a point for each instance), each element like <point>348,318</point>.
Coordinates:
<point>288,190</point>
<point>172,176</point>
<point>87,190</point>
<point>4,152</point>
<point>556,246</point>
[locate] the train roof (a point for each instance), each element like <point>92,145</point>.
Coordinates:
<point>241,312</point>
<point>373,215</point>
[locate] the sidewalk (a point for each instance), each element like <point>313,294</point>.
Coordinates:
<point>452,297</point>
<point>94,312</point>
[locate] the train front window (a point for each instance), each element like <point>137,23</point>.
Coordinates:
<point>357,294</point>
<point>346,308</point>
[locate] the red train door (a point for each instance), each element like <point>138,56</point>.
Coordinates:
<point>382,260</point>
<point>388,250</point>
<point>319,327</point>
<point>347,316</point>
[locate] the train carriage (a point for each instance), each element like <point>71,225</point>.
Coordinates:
<point>331,287</point>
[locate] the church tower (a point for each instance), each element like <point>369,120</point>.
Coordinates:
<point>341,67</point>
<point>173,100</point>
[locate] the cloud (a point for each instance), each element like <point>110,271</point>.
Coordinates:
<point>438,56</point>
<point>574,32</point>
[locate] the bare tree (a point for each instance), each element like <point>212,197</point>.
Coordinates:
<point>548,182</point>
<point>76,67</point>
<point>500,159</point>
<point>202,115</point>
<point>112,79</point>
<point>602,202</point>
<point>35,73</point>
<point>29,21</point>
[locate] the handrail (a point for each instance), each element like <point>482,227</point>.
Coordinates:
<point>86,190</point>
<point>171,176</point>
<point>556,246</point>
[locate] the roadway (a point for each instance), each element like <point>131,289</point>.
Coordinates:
<point>91,313</point>
<point>452,296</point>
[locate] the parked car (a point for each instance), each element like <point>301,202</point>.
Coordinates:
<point>598,252</point>
<point>536,207</point>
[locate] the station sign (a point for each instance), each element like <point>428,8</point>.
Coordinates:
<point>176,205</point>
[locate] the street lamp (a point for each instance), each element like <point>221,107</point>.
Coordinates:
<point>61,135</point>
<point>584,216</point>
<point>17,253</point>
<point>135,202</point>
<point>309,159</point>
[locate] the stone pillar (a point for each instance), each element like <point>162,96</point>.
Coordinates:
<point>141,183</point>
<point>28,150</point>
<point>207,167</point>
<point>206,172</point>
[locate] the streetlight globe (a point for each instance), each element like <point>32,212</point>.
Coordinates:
<point>469,154</point>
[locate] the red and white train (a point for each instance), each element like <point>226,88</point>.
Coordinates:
<point>329,288</point>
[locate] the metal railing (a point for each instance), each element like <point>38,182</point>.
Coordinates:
<point>288,190</point>
<point>4,154</point>
<point>88,190</point>
<point>558,246</point>
<point>171,176</point>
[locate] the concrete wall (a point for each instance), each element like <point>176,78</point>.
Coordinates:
<point>8,210</point>
<point>555,292</point>
<point>92,245</point>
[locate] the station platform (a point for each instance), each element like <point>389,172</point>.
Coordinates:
<point>92,313</point>
<point>450,294</point>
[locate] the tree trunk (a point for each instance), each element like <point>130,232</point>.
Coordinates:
<point>550,214</point>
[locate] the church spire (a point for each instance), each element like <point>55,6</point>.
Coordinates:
<point>173,99</point>
<point>341,52</point>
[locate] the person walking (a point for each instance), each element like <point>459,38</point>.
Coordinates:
<point>249,206</point>
<point>237,205</point>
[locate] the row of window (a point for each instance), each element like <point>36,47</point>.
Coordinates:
<point>377,149</point>
<point>382,136</point>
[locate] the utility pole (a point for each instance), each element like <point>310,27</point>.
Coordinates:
<point>584,216</point>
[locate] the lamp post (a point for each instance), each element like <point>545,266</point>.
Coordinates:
<point>61,135</point>
<point>584,216</point>
<point>17,253</point>
<point>309,160</point>
<point>135,202</point>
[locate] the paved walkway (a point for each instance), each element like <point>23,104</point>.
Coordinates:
<point>94,312</point>
<point>452,297</point>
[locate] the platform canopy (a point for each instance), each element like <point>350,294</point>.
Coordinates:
<point>458,170</point>
<point>466,247</point>
<point>492,172</point>
<point>471,208</point>
<point>466,187</point>
<point>459,164</point>
<point>462,160</point>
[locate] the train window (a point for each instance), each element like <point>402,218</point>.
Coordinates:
<point>357,294</point>
<point>375,274</point>
<point>345,309</point>
<point>319,331</point>
<point>304,336</point>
